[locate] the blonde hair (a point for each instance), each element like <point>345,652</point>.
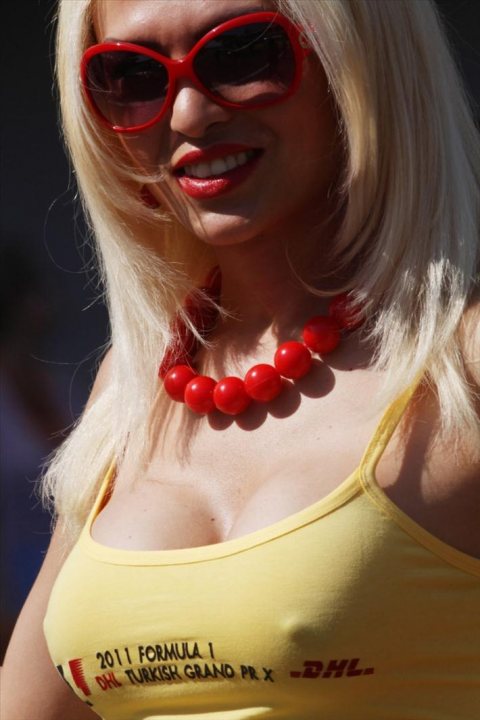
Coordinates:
<point>412,204</point>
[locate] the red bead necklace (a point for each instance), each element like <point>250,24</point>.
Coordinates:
<point>262,383</point>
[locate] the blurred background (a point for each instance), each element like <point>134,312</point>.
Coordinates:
<point>52,321</point>
<point>52,324</point>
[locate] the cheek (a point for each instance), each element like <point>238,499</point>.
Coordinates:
<point>320,135</point>
<point>312,152</point>
<point>318,103</point>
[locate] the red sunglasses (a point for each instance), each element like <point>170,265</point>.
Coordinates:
<point>249,62</point>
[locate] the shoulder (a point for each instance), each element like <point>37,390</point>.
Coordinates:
<point>435,479</point>
<point>433,474</point>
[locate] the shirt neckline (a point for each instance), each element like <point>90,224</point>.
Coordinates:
<point>362,479</point>
<point>340,495</point>
<point>184,556</point>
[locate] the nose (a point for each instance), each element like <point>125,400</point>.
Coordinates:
<point>193,112</point>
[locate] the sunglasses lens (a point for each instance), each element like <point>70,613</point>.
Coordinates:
<point>248,65</point>
<point>128,88</point>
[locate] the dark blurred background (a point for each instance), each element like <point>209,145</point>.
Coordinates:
<point>52,323</point>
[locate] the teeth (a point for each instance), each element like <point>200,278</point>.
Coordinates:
<point>218,166</point>
<point>230,162</point>
<point>203,170</point>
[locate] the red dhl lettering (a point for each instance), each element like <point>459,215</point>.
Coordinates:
<point>313,669</point>
<point>107,681</point>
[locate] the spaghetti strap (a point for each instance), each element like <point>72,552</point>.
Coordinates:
<point>386,427</point>
<point>101,497</point>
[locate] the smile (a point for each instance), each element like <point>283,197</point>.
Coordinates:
<point>204,174</point>
<point>219,166</point>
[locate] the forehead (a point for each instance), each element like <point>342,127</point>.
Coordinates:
<point>170,21</point>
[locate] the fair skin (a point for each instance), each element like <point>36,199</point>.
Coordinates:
<point>325,422</point>
<point>248,229</point>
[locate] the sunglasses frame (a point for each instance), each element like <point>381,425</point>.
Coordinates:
<point>183,68</point>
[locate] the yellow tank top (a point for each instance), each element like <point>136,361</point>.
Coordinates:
<point>346,610</point>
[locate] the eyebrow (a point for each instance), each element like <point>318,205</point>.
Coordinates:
<point>219,20</point>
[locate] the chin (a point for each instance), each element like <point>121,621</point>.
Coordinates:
<point>221,230</point>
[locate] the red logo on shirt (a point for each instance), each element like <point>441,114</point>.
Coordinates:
<point>314,669</point>
<point>78,674</point>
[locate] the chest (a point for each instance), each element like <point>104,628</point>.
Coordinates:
<point>289,621</point>
<point>211,480</point>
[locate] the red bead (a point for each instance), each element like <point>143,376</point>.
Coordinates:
<point>263,382</point>
<point>230,396</point>
<point>321,334</point>
<point>176,380</point>
<point>199,394</point>
<point>173,356</point>
<point>347,316</point>
<point>293,360</point>
<point>183,347</point>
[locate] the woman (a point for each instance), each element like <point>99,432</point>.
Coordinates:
<point>225,568</point>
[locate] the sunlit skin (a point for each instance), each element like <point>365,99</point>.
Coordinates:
<point>292,188</point>
<point>288,198</point>
<point>213,479</point>
<point>327,421</point>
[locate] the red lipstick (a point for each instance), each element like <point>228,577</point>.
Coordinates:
<point>213,184</point>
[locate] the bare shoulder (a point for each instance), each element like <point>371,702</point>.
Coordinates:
<point>45,696</point>
<point>435,478</point>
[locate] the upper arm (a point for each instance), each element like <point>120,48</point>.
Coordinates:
<point>31,686</point>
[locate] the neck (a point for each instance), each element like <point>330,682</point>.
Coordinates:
<point>261,288</point>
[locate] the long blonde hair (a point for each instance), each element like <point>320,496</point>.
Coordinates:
<point>411,191</point>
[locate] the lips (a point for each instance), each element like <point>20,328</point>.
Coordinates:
<point>216,170</point>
